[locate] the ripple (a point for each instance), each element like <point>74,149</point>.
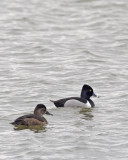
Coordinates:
<point>48,51</point>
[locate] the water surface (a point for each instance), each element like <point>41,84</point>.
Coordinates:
<point>49,49</point>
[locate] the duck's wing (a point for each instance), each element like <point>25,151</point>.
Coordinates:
<point>20,120</point>
<point>61,102</point>
<point>30,119</point>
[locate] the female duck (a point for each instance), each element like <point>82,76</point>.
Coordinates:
<point>33,119</point>
<point>82,101</point>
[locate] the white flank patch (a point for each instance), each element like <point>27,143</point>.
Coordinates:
<point>76,103</point>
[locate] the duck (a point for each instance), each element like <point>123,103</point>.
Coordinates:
<point>83,101</point>
<point>33,119</point>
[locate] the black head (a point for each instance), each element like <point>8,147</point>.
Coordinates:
<point>87,92</point>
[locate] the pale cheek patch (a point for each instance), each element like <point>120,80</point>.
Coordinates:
<point>76,103</point>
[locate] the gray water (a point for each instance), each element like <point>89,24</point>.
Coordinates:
<point>48,50</point>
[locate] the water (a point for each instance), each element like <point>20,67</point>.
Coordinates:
<point>49,49</point>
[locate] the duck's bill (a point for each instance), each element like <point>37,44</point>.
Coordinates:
<point>48,113</point>
<point>94,95</point>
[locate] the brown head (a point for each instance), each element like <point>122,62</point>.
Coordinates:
<point>40,110</point>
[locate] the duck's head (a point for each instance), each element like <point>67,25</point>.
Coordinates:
<point>87,92</point>
<point>41,109</point>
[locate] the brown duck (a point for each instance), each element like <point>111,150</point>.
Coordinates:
<point>33,119</point>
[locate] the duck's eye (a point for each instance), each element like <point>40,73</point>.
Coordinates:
<point>90,90</point>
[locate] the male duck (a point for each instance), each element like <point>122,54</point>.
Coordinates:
<point>33,119</point>
<point>83,101</point>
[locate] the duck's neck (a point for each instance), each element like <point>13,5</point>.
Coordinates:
<point>91,102</point>
<point>37,113</point>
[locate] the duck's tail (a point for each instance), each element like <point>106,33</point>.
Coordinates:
<point>52,101</point>
<point>13,123</point>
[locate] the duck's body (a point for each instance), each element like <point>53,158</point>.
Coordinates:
<point>83,101</point>
<point>29,120</point>
<point>73,102</point>
<point>33,119</point>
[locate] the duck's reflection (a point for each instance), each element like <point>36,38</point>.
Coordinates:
<point>87,113</point>
<point>36,128</point>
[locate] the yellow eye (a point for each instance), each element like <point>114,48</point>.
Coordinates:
<point>90,90</point>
